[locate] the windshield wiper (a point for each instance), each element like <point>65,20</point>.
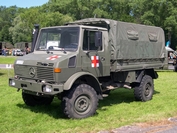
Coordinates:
<point>48,52</point>
<point>64,51</point>
<point>55,48</point>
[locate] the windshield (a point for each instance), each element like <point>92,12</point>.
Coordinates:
<point>63,38</point>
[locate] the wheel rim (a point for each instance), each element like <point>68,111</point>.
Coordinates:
<point>82,104</point>
<point>147,90</point>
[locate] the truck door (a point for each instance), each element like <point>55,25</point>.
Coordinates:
<point>95,56</point>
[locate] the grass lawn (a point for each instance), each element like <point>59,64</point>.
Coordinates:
<point>7,59</point>
<point>118,109</point>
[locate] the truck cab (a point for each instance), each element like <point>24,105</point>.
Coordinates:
<point>63,57</point>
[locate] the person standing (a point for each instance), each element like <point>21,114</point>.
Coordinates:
<point>168,44</point>
<point>4,51</point>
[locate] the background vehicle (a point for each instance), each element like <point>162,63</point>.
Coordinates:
<point>89,58</point>
<point>17,52</point>
<point>170,59</point>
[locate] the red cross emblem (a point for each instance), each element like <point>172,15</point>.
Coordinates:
<point>53,57</point>
<point>95,61</point>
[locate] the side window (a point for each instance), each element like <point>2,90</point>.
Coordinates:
<point>89,41</point>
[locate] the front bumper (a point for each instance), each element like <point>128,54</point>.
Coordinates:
<point>35,87</point>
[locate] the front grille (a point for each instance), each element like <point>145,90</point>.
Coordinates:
<point>45,73</point>
<point>41,73</point>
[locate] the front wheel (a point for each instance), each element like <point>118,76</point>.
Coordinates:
<point>80,102</point>
<point>32,100</point>
<point>175,68</point>
<point>144,92</point>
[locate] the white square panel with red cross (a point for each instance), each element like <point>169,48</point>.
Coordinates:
<point>95,61</point>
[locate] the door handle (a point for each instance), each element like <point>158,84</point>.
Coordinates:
<point>102,59</point>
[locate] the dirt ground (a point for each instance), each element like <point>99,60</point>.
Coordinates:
<point>165,126</point>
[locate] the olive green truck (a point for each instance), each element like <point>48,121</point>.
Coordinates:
<point>80,62</point>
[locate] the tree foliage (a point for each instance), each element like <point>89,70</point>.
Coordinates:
<point>16,24</point>
<point>6,17</point>
<point>160,13</point>
<point>22,25</point>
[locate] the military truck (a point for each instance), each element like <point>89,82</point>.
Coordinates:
<point>92,57</point>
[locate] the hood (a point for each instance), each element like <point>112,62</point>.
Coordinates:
<point>34,59</point>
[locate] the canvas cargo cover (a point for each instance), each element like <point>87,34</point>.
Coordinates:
<point>129,40</point>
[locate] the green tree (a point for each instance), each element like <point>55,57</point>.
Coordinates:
<point>77,9</point>
<point>6,17</point>
<point>160,13</point>
<point>21,29</point>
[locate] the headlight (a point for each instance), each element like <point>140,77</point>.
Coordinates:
<point>12,82</point>
<point>47,88</point>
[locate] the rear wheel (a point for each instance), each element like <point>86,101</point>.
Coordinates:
<point>80,102</point>
<point>145,90</point>
<point>32,100</point>
<point>175,68</point>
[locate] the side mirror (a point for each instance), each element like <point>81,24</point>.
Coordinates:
<point>98,39</point>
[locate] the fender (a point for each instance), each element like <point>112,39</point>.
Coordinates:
<point>73,78</point>
<point>149,72</point>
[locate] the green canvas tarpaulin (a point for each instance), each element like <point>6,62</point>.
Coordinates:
<point>129,40</point>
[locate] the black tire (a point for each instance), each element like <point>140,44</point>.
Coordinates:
<point>144,92</point>
<point>175,68</point>
<point>80,102</point>
<point>32,100</point>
